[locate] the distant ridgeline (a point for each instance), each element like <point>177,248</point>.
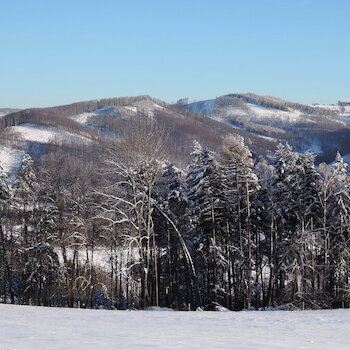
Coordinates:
<point>343,103</point>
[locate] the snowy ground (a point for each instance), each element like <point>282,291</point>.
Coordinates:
<point>36,133</point>
<point>24,327</point>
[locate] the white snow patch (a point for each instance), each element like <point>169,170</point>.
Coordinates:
<point>26,327</point>
<point>10,161</point>
<point>35,133</point>
<point>98,257</point>
<point>131,108</point>
<point>269,138</point>
<point>84,118</point>
<point>43,134</point>
<point>158,107</point>
<point>260,112</point>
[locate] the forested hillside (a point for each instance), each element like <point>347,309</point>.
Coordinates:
<point>103,119</point>
<point>128,220</point>
<point>323,129</point>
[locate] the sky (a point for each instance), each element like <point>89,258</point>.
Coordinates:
<point>61,51</point>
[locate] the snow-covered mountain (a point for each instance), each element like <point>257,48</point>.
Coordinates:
<point>32,130</point>
<point>262,121</point>
<point>323,129</point>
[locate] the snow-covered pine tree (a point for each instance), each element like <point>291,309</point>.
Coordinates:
<point>207,213</point>
<point>263,221</point>
<point>295,198</point>
<point>339,232</point>
<point>25,187</point>
<point>175,266</point>
<point>5,244</point>
<point>242,184</point>
<point>39,263</point>
<point>325,200</point>
<point>25,192</point>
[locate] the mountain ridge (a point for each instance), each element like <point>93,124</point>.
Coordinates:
<point>263,121</point>
<point>321,129</point>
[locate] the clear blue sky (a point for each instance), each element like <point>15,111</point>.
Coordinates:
<point>58,51</point>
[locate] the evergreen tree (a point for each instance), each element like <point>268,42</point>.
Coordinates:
<point>339,231</point>
<point>296,208</point>
<point>205,190</point>
<point>6,245</point>
<point>242,184</point>
<point>176,275</point>
<point>39,262</point>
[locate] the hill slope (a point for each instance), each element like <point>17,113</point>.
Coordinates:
<point>32,130</point>
<point>321,129</point>
<point>262,120</point>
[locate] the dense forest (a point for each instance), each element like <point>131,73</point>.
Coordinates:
<point>229,230</point>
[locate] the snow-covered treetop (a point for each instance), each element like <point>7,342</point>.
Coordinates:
<point>236,155</point>
<point>197,148</point>
<point>340,165</point>
<point>26,180</point>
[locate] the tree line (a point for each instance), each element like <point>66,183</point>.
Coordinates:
<point>130,230</point>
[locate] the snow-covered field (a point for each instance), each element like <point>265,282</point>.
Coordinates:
<point>35,133</point>
<point>43,134</point>
<point>25,327</point>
